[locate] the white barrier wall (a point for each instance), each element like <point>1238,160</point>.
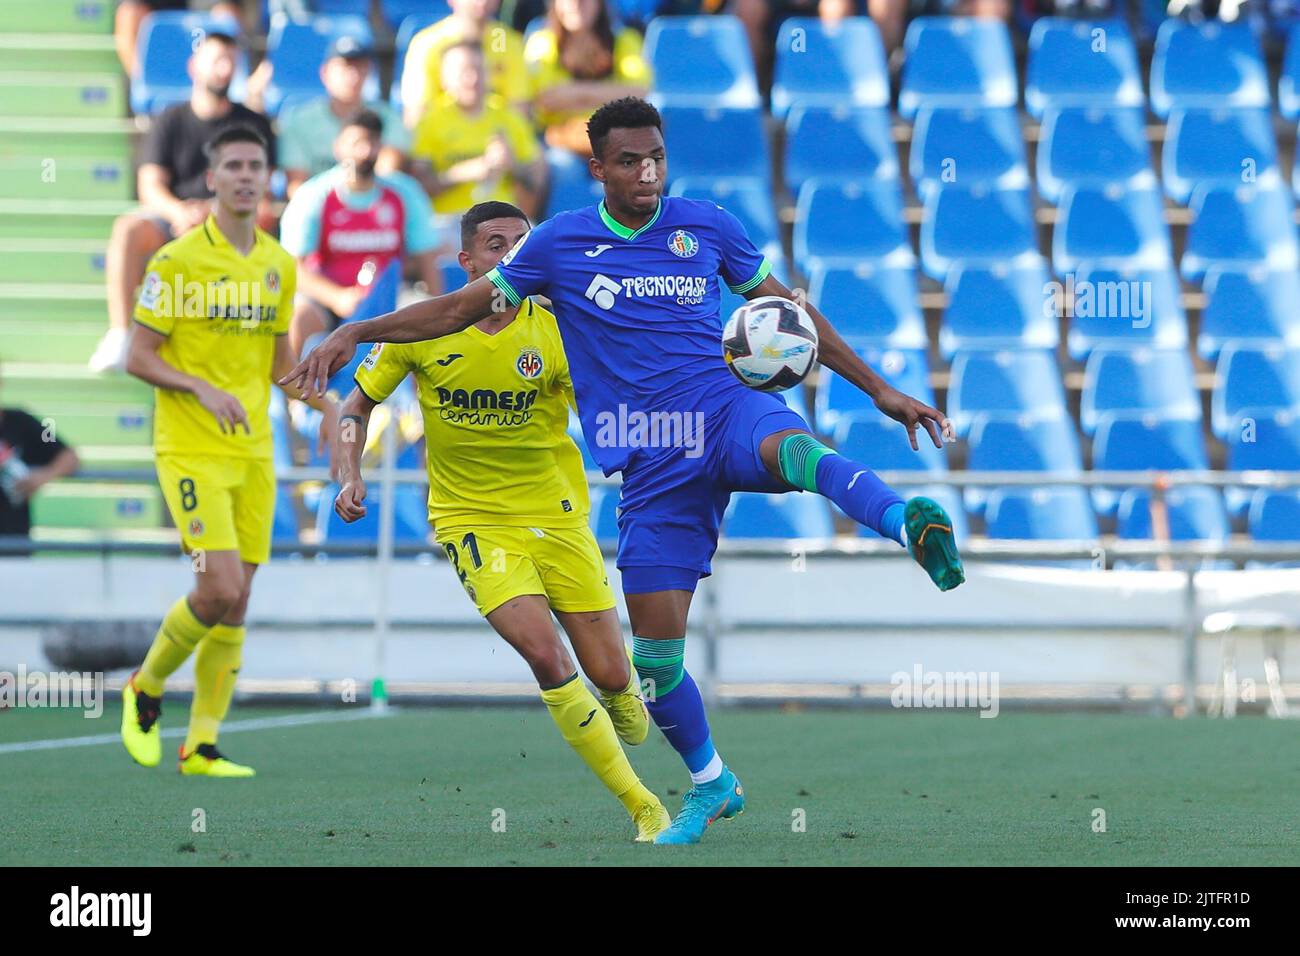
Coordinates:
<point>838,620</point>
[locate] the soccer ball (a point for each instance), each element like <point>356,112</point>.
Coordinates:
<point>770,343</point>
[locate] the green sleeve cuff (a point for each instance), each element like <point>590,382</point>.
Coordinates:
<point>764,269</point>
<point>504,285</point>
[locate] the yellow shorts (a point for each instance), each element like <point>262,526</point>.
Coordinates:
<point>221,504</point>
<point>496,564</point>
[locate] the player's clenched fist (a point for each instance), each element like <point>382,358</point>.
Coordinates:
<point>227,409</point>
<point>349,503</point>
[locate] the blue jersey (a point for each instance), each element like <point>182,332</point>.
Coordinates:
<point>638,309</point>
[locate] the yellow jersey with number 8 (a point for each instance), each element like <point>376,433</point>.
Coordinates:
<point>496,410</point>
<point>221,312</point>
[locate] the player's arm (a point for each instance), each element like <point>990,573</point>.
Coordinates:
<point>326,406</point>
<point>427,319</point>
<point>354,422</point>
<point>144,362</point>
<point>835,354</point>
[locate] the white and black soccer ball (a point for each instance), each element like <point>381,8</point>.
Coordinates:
<point>770,343</point>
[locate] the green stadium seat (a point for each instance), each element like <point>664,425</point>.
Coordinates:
<point>100,139</point>
<point>54,261</point>
<point>42,342</point>
<point>39,385</point>
<point>57,16</point>
<point>73,95</point>
<point>58,53</point>
<point>66,219</point>
<point>93,505</point>
<point>74,178</point>
<point>32,302</point>
<point>103,424</point>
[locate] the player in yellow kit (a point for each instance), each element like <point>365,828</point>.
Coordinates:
<point>210,333</point>
<point>508,501</point>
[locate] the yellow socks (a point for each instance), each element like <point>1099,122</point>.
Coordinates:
<point>587,728</point>
<point>215,667</point>
<point>177,637</point>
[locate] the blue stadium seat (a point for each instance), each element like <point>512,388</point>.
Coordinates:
<point>1109,224</point>
<point>1040,514</point>
<point>1086,146</point>
<point>754,515</point>
<point>976,226</point>
<point>1218,146</point>
<point>1024,382</point>
<point>396,11</point>
<point>844,223</point>
<point>571,184</point>
<point>163,50</point>
<point>284,526</point>
<point>829,65</point>
<point>1246,377</point>
<point>1208,64</point>
<point>1001,442</point>
<point>909,372</point>
<point>1241,225</point>
<point>1126,308</point>
<point>836,142</point>
<point>604,513</point>
<point>882,444</point>
<point>1249,305</point>
<point>411,454</point>
<point>1158,381</point>
<point>702,61</point>
<point>997,307</point>
<point>870,306</point>
<point>1264,438</point>
<point>1196,513</point>
<point>956,61</point>
<point>411,24</point>
<point>967,146</point>
<point>1288,83</point>
<point>296,50</point>
<point>411,517</point>
<point>705,141</point>
<point>334,8</point>
<point>1081,63</point>
<point>1275,515</point>
<point>453,276</point>
<point>748,201</point>
<point>1141,441</point>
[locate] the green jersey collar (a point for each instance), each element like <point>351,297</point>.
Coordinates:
<point>622,231</point>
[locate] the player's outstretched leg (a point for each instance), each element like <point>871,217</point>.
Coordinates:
<point>921,525</point>
<point>597,639</point>
<point>216,665</point>
<point>180,632</point>
<point>525,623</point>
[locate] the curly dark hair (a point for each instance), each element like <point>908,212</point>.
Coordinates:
<point>631,112</point>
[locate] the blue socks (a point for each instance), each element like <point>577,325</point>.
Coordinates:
<point>808,464</point>
<point>678,710</point>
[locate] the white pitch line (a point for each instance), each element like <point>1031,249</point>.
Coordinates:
<point>258,723</point>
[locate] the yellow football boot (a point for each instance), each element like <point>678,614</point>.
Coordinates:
<point>141,734</point>
<point>650,819</point>
<point>627,712</point>
<point>206,761</point>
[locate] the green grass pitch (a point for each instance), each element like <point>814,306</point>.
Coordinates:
<point>421,786</point>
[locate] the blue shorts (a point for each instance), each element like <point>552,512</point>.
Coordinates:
<point>672,499</point>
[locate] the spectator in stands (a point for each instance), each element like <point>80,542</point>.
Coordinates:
<point>470,20</point>
<point>31,455</point>
<point>517,14</point>
<point>763,19</point>
<point>171,184</point>
<point>347,224</point>
<point>308,131</point>
<point>577,64</point>
<point>472,147</point>
<point>130,17</point>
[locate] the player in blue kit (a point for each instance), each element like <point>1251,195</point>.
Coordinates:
<point>633,283</point>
